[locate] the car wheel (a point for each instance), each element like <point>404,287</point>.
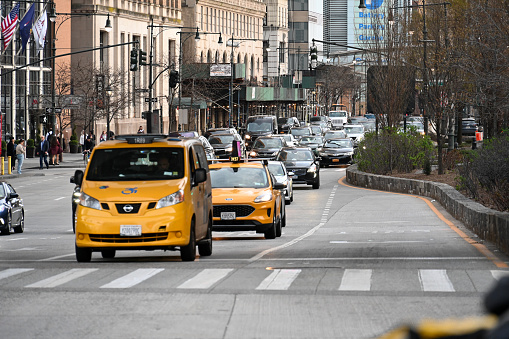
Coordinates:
<point>74,219</point>
<point>279,228</point>
<point>188,252</point>
<point>108,254</point>
<point>316,184</point>
<point>283,220</point>
<point>83,254</point>
<point>271,232</point>
<point>7,225</point>
<point>21,227</point>
<point>205,248</point>
<point>291,196</point>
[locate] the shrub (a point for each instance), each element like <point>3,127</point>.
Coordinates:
<point>30,143</point>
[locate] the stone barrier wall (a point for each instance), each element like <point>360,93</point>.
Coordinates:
<point>488,224</point>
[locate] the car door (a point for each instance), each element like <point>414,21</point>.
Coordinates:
<point>16,205</point>
<point>202,196</point>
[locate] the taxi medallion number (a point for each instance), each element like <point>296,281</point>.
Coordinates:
<point>228,216</point>
<point>130,230</point>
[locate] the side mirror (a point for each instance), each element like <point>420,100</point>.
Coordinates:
<point>13,195</point>
<point>200,176</point>
<point>291,174</point>
<point>78,177</point>
<point>279,186</point>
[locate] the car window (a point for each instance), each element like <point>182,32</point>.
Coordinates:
<point>276,169</point>
<point>295,155</point>
<point>221,139</point>
<point>353,129</point>
<point>239,177</point>
<point>202,157</point>
<point>259,126</point>
<point>131,164</point>
<point>337,143</point>
<point>2,192</point>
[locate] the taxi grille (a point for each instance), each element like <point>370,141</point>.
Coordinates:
<point>240,210</point>
<point>117,239</point>
<point>130,209</point>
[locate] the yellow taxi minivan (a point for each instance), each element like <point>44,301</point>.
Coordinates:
<point>144,192</point>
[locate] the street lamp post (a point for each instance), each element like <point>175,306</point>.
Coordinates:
<point>108,91</point>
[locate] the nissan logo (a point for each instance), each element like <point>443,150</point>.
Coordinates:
<point>128,208</point>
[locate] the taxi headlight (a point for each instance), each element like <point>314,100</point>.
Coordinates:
<point>312,168</point>
<point>171,199</point>
<point>87,201</point>
<point>264,197</point>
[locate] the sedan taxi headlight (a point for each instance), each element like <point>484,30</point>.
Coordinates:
<point>312,168</point>
<point>171,199</point>
<point>88,201</point>
<point>264,197</point>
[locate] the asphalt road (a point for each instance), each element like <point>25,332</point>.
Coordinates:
<point>351,263</point>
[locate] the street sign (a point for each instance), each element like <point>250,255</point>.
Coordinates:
<point>141,90</point>
<point>148,99</point>
<point>58,110</point>
<point>49,110</point>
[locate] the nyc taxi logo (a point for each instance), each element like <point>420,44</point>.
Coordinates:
<point>129,190</point>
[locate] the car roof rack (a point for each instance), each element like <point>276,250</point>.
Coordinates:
<point>140,138</point>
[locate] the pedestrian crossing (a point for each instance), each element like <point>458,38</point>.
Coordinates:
<point>256,279</point>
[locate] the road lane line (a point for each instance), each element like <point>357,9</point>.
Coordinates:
<point>480,247</point>
<point>133,278</point>
<point>499,274</point>
<point>279,279</point>
<point>58,257</point>
<point>356,280</point>
<point>13,271</point>
<point>435,281</point>
<point>60,198</point>
<point>206,278</point>
<point>62,278</point>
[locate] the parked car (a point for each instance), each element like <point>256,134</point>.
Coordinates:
<point>314,142</point>
<point>370,116</point>
<point>222,144</point>
<point>278,170</point>
<point>285,123</point>
<point>415,125</point>
<point>303,163</point>
<point>355,132</point>
<point>12,212</point>
<point>299,132</point>
<point>334,134</point>
<point>469,127</point>
<point>267,147</point>
<point>337,151</point>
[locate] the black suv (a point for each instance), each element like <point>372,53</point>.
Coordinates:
<point>258,125</point>
<point>303,163</point>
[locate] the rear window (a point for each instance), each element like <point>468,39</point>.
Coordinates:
<point>132,164</point>
<point>239,177</point>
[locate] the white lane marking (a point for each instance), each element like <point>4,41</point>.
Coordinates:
<point>13,271</point>
<point>16,239</point>
<point>435,281</point>
<point>62,278</point>
<point>356,280</point>
<point>373,242</point>
<point>279,280</point>
<point>60,198</point>
<point>499,274</point>
<point>206,278</point>
<point>133,278</point>
<point>58,257</point>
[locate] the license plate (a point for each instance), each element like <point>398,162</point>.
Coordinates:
<point>130,230</point>
<point>335,160</point>
<point>227,215</point>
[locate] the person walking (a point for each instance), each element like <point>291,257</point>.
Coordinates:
<point>141,130</point>
<point>21,152</point>
<point>54,150</point>
<point>42,151</point>
<point>11,152</point>
<point>82,140</point>
<point>103,137</point>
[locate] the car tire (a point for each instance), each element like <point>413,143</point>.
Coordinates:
<point>108,254</point>
<point>279,228</point>
<point>316,184</point>
<point>83,254</point>
<point>283,220</point>
<point>205,248</point>
<point>8,225</point>
<point>74,219</point>
<point>271,232</point>
<point>21,227</point>
<point>188,252</point>
<point>291,197</point>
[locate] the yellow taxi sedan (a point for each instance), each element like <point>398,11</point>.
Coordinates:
<point>246,197</point>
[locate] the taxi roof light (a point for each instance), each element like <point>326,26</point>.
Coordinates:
<point>140,138</point>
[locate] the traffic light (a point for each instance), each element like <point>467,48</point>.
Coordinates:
<point>143,58</point>
<point>43,119</point>
<point>174,78</point>
<point>134,60</point>
<point>313,50</point>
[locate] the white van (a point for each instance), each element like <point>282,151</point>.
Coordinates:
<point>338,118</point>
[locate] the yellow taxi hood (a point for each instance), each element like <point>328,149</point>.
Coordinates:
<point>236,195</point>
<point>132,190</point>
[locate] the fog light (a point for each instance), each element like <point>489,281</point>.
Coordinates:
<point>178,234</point>
<point>81,236</point>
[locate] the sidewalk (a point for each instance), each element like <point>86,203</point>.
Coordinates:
<point>31,166</point>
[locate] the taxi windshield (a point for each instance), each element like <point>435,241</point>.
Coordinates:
<point>132,164</point>
<point>238,177</point>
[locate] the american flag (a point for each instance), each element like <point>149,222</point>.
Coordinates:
<point>9,25</point>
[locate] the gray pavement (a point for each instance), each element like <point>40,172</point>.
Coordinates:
<point>31,166</point>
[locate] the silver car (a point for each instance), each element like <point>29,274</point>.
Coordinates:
<point>278,170</point>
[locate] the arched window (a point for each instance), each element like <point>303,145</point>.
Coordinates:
<point>216,59</point>
<point>209,57</point>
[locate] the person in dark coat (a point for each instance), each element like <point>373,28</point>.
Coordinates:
<point>11,152</point>
<point>42,150</point>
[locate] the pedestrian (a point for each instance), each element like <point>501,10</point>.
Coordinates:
<point>89,144</point>
<point>11,152</point>
<point>21,152</point>
<point>103,137</point>
<point>54,150</point>
<point>141,130</point>
<point>82,140</point>
<point>92,138</point>
<point>42,151</point>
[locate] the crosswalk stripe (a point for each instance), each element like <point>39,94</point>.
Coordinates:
<point>206,278</point>
<point>279,280</point>
<point>13,271</point>
<point>435,281</point>
<point>62,278</point>
<point>356,280</point>
<point>133,278</point>
<point>499,274</point>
